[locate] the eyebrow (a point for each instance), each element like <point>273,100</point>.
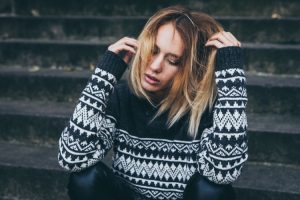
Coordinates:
<point>169,54</point>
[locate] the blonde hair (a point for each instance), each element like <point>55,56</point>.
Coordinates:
<point>193,89</point>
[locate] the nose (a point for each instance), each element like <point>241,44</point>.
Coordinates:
<point>157,63</point>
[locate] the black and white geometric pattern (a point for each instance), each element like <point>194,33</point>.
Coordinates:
<point>88,137</point>
<point>224,146</point>
<point>159,168</point>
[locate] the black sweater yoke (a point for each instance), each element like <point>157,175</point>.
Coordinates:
<point>156,161</point>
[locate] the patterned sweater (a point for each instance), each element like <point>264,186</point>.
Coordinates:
<point>155,160</point>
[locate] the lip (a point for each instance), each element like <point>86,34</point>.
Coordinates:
<point>151,80</point>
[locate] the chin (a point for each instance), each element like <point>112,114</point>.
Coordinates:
<point>149,88</point>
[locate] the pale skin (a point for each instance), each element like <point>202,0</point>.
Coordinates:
<point>164,65</point>
<point>165,62</point>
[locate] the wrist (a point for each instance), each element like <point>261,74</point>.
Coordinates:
<point>113,64</point>
<point>229,57</point>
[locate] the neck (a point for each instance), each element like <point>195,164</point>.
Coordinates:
<point>156,99</point>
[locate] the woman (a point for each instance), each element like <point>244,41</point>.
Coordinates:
<point>178,128</point>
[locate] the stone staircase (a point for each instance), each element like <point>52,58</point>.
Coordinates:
<point>48,49</point>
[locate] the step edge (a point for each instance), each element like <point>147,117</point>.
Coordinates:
<point>142,17</point>
<point>245,45</point>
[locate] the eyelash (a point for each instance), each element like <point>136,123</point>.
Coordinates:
<point>175,63</point>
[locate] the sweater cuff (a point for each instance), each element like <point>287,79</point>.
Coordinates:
<point>113,64</point>
<point>229,57</point>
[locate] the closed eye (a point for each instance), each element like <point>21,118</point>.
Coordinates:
<point>173,60</point>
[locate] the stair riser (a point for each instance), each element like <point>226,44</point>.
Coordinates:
<point>47,55</point>
<point>261,99</point>
<point>40,130</point>
<point>277,100</point>
<point>274,147</point>
<point>274,61</point>
<point>263,146</point>
<point>131,7</point>
<point>89,29</point>
<point>249,194</point>
<point>70,28</point>
<point>34,184</point>
<point>264,31</point>
<point>6,7</point>
<point>42,88</point>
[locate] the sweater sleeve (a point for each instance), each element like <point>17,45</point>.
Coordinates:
<point>90,132</point>
<point>224,145</point>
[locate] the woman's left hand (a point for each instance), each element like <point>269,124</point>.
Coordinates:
<point>223,39</point>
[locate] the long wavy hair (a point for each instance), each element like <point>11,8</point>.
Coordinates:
<point>193,89</point>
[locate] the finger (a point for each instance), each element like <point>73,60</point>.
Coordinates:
<point>232,40</point>
<point>129,41</point>
<point>231,36</point>
<point>215,36</point>
<point>221,38</point>
<point>126,48</point>
<point>117,48</point>
<point>125,40</point>
<point>226,38</point>
<point>235,41</point>
<point>132,44</point>
<point>215,43</point>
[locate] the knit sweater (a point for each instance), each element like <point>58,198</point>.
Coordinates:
<point>155,160</point>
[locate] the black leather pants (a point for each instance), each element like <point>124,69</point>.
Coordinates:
<point>99,183</point>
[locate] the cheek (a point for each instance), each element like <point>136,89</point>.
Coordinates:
<point>142,70</point>
<point>172,74</point>
<point>144,67</point>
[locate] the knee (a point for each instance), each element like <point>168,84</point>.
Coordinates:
<point>199,188</point>
<point>84,184</point>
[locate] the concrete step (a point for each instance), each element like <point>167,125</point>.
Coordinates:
<point>31,172</point>
<point>28,172</point>
<point>47,53</point>
<point>268,58</point>
<point>247,29</point>
<point>268,181</point>
<point>278,94</point>
<point>272,138</point>
<point>147,7</point>
<point>38,122</point>
<point>50,85</point>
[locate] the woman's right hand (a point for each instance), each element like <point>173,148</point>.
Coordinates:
<point>125,47</point>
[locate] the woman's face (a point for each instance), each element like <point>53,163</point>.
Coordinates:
<point>165,62</point>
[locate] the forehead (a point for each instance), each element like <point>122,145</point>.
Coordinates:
<point>169,41</point>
